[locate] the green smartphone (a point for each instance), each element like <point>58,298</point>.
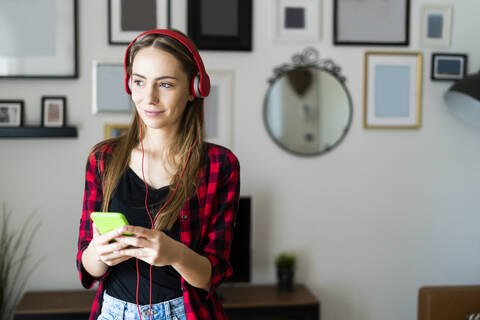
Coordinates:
<point>108,221</point>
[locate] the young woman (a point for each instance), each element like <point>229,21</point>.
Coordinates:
<point>179,194</point>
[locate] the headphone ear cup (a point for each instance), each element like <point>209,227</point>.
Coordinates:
<point>196,86</point>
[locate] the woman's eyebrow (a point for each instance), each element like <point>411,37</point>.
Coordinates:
<point>158,78</point>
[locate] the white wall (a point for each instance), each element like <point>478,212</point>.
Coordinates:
<point>381,215</point>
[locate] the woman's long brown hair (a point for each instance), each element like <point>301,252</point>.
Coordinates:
<point>189,130</point>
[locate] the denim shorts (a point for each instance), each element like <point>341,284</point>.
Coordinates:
<point>116,309</point>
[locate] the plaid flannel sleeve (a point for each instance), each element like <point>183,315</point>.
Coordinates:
<point>220,226</point>
<point>92,201</point>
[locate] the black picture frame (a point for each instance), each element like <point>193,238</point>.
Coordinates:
<point>338,38</point>
<point>20,104</point>
<point>242,41</point>
<point>118,37</point>
<point>435,75</point>
<point>56,63</point>
<point>63,112</point>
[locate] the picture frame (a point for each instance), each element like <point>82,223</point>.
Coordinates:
<point>371,22</point>
<point>218,108</point>
<point>51,49</point>
<point>108,88</point>
<point>128,18</point>
<point>436,26</point>
<point>54,111</point>
<point>392,90</point>
<point>448,66</point>
<point>11,113</point>
<point>231,30</point>
<point>113,130</point>
<point>297,20</point>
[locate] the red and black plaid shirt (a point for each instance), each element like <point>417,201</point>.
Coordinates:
<point>206,226</point>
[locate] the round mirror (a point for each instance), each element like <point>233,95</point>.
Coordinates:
<point>307,108</point>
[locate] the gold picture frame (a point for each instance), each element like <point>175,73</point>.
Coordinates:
<point>113,130</point>
<point>392,90</point>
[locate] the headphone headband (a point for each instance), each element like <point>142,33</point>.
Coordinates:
<point>200,82</point>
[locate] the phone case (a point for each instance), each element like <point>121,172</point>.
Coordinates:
<point>108,221</point>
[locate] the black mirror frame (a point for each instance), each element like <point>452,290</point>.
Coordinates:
<point>308,59</point>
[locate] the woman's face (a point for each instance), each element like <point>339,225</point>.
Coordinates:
<point>160,88</point>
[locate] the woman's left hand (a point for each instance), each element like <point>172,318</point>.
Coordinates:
<point>151,246</point>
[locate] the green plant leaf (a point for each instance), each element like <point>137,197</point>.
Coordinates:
<point>14,254</point>
<point>285,261</point>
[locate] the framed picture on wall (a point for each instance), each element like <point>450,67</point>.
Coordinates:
<point>113,130</point>
<point>219,108</point>
<point>392,92</point>
<point>371,22</point>
<point>436,26</point>
<point>128,18</point>
<point>297,20</point>
<point>54,111</point>
<point>448,66</point>
<point>108,91</point>
<point>11,113</point>
<point>220,24</point>
<point>39,39</point>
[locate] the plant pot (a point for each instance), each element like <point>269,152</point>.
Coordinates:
<point>285,279</point>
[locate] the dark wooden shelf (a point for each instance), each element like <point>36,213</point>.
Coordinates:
<point>38,132</point>
<point>240,302</point>
<point>252,296</point>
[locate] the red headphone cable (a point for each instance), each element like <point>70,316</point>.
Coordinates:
<point>156,216</point>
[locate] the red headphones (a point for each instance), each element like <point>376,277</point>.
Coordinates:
<point>200,85</point>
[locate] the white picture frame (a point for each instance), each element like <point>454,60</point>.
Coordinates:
<point>392,90</point>
<point>108,88</point>
<point>219,106</point>
<point>135,12</point>
<point>297,20</point>
<point>436,26</point>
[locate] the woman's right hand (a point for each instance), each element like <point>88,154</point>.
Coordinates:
<point>107,251</point>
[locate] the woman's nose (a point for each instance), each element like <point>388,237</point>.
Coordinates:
<point>152,95</point>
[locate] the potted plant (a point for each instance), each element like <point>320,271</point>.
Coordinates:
<point>14,251</point>
<point>285,264</point>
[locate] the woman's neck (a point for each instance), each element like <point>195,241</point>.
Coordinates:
<point>158,141</point>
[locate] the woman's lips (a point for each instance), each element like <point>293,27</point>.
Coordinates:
<point>153,113</point>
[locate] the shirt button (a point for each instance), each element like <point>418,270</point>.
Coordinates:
<point>184,216</point>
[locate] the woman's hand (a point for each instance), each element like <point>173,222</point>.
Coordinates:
<point>106,251</point>
<point>158,249</point>
<point>151,246</point>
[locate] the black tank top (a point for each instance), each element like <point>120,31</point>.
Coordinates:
<point>129,199</point>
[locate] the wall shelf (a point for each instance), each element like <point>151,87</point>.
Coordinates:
<point>38,132</point>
